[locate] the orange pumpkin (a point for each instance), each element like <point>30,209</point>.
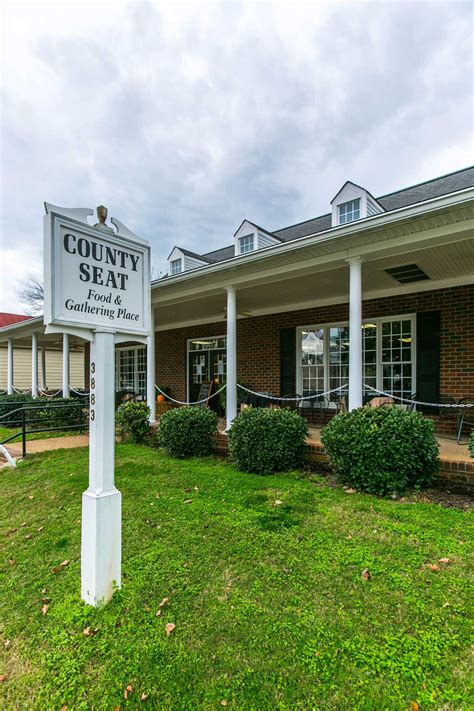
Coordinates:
<point>160,398</point>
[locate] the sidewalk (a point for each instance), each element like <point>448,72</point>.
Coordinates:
<point>45,445</point>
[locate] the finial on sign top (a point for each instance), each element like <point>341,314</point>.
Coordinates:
<point>102,217</point>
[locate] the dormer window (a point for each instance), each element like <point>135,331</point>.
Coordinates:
<point>176,266</point>
<point>246,244</point>
<point>349,211</point>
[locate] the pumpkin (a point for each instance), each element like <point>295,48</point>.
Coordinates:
<point>160,398</point>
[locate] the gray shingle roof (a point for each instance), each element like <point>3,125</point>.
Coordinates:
<point>443,185</point>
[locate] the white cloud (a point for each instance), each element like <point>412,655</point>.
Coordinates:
<point>185,118</point>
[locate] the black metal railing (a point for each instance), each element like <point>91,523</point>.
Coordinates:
<point>50,417</point>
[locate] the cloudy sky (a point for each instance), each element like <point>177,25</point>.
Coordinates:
<point>184,118</point>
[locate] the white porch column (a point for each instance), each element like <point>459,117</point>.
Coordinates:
<point>66,374</point>
<point>355,332</point>
<point>10,367</point>
<point>43,369</point>
<point>231,379</point>
<point>34,365</point>
<point>101,502</point>
<point>150,369</point>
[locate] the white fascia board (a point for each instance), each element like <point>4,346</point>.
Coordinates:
<point>176,253</point>
<point>31,325</point>
<point>333,233</point>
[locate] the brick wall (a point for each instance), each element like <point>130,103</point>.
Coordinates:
<point>258,339</point>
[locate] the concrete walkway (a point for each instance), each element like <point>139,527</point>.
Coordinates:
<point>46,445</point>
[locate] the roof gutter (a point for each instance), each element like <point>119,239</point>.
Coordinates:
<point>369,223</point>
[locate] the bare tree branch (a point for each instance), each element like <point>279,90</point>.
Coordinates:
<point>31,293</point>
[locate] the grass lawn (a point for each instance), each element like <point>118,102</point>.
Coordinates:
<point>264,577</point>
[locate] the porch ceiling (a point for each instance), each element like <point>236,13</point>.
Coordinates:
<point>322,284</point>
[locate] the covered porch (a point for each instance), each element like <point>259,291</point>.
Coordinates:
<point>388,307</point>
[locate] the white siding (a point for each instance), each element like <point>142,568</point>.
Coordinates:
<point>373,208</point>
<point>192,263</point>
<point>54,368</point>
<point>266,240</point>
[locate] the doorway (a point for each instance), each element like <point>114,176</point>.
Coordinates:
<point>206,362</point>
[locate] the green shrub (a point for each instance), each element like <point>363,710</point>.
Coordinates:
<point>187,431</point>
<point>50,414</point>
<point>471,444</point>
<point>264,441</point>
<point>133,420</point>
<point>8,403</point>
<point>382,450</point>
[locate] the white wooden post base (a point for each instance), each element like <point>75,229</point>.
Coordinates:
<point>101,545</point>
<point>101,503</point>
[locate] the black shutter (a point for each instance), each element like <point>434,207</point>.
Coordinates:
<point>428,332</point>
<point>287,361</point>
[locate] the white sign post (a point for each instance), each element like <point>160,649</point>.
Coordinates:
<point>97,286</point>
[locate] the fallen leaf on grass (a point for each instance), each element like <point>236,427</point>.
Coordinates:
<point>44,591</point>
<point>12,561</point>
<point>30,497</point>
<point>350,490</point>
<point>444,560</point>
<point>365,575</point>
<point>128,690</point>
<point>169,628</point>
<point>432,566</point>
<point>143,697</point>
<point>223,702</point>
<point>3,677</point>
<point>41,528</point>
<point>445,604</point>
<point>46,600</point>
<point>45,609</point>
<point>158,613</point>
<point>28,536</point>
<point>63,707</point>
<point>89,632</point>
<point>165,601</point>
<point>414,706</point>
<point>23,524</point>
<point>11,531</point>
<point>277,502</point>
<point>188,501</point>
<point>6,643</point>
<point>58,568</point>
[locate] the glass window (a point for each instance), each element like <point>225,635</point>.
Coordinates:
<point>175,266</point>
<point>245,244</point>
<point>349,211</point>
<point>338,356</point>
<point>206,344</point>
<point>388,357</point>
<point>312,361</point>
<point>397,357</point>
<point>130,370</point>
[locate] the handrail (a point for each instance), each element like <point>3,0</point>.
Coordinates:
<point>51,407</point>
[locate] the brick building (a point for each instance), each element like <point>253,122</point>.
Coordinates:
<point>377,292</point>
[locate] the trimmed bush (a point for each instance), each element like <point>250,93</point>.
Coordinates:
<point>8,403</point>
<point>264,441</point>
<point>382,450</point>
<point>133,420</point>
<point>51,414</point>
<point>187,431</point>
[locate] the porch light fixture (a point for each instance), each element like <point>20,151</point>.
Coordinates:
<point>407,274</point>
